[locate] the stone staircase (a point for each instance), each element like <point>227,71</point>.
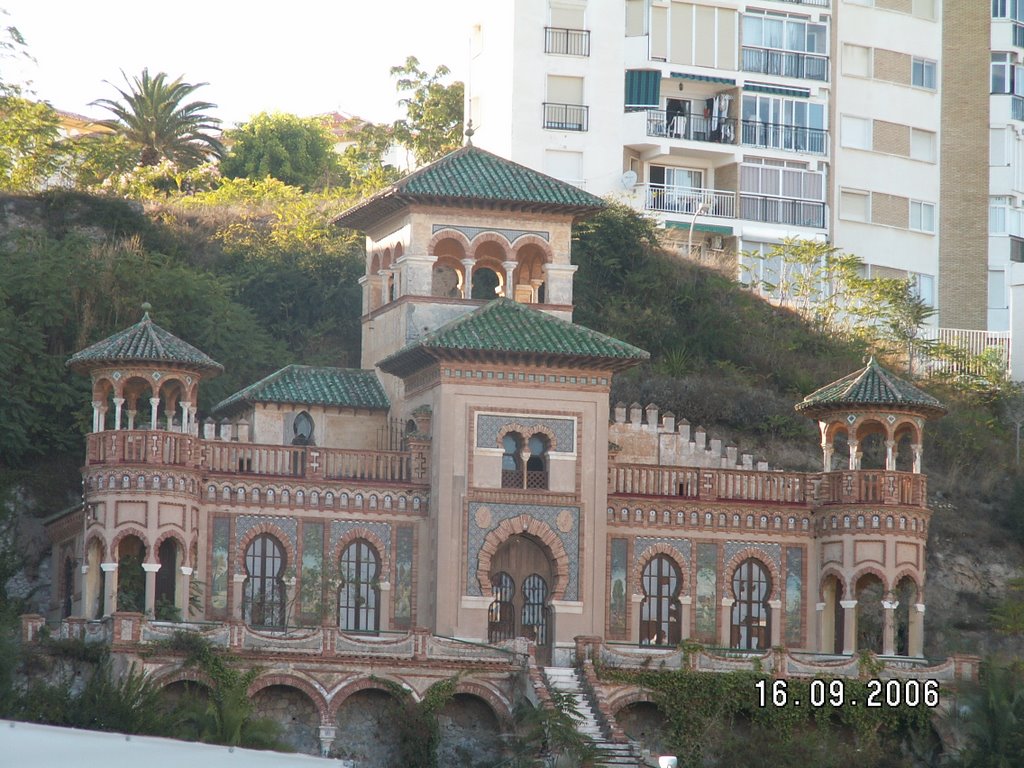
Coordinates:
<point>609,753</point>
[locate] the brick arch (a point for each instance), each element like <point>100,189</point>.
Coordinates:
<point>100,384</point>
<point>314,695</point>
<point>130,531</point>
<point>182,675</point>
<point>177,536</point>
<point>277,533</point>
<point>491,237</point>
<point>449,234</point>
<point>500,706</point>
<point>375,682</point>
<point>370,536</point>
<point>661,548</point>
<point>914,576</point>
<point>623,699</point>
<point>832,571</point>
<point>762,557</point>
<point>97,536</point>
<point>547,539</point>
<point>866,570</point>
<point>524,240</point>
<point>528,431</point>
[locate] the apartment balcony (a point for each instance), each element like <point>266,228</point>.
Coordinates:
<point>566,117</point>
<point>691,127</point>
<point>689,200</point>
<point>782,210</point>
<point>790,138</point>
<point>567,42</point>
<point>815,3</point>
<point>772,61</point>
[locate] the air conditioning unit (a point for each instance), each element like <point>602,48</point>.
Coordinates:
<point>717,243</point>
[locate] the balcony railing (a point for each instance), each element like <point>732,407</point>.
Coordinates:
<point>874,487</point>
<point>566,117</point>
<point>793,138</point>
<point>708,484</point>
<point>781,210</point>
<point>690,200</point>
<point>818,3</point>
<point>571,42</point>
<point>247,459</point>
<point>691,127</point>
<point>772,61</point>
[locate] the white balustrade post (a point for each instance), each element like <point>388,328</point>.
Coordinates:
<point>154,404</point>
<point>118,402</point>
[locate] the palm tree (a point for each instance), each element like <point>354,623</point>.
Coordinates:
<point>151,115</point>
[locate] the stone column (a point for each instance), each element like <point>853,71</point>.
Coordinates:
<point>97,425</point>
<point>634,622</point>
<point>237,581</point>
<point>186,416</point>
<point>184,592</point>
<point>384,608</point>
<point>725,625</point>
<point>535,285</point>
<point>118,403</point>
<point>890,456</point>
<point>775,606</point>
<point>131,418</point>
<point>467,280</point>
<point>510,286</point>
<point>109,587</point>
<point>823,630</point>
<point>154,403</point>
<point>685,618</point>
<point>849,626</point>
<point>827,450</point>
<point>327,734</point>
<point>918,451</point>
<point>889,627</point>
<point>559,283</point>
<point>854,455</point>
<point>150,569</point>
<point>103,418</point>
<point>915,639</point>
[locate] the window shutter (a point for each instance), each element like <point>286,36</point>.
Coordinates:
<point>643,87</point>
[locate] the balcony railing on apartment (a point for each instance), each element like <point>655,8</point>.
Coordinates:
<point>971,344</point>
<point>690,200</point>
<point>571,42</point>
<point>566,117</point>
<point>781,210</point>
<point>691,127</point>
<point>772,61</point>
<point>818,3</point>
<point>793,138</point>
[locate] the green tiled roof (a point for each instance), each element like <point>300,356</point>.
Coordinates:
<point>472,176</point>
<point>144,342</point>
<point>505,330</point>
<point>871,386</point>
<point>306,385</point>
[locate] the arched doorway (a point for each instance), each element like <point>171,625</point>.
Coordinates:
<point>166,607</point>
<point>869,593</point>
<point>751,614</point>
<point>469,733</point>
<point>131,579</point>
<point>263,598</point>
<point>906,596</point>
<point>832,616</point>
<point>660,610</point>
<point>359,590</point>
<point>524,611</point>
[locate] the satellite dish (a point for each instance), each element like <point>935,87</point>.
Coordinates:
<point>628,180</point>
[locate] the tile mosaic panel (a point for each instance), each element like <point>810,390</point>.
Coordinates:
<point>488,426</point>
<point>509,234</point>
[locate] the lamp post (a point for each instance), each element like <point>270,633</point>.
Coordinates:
<point>704,207</point>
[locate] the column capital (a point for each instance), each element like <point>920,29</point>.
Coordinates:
<point>919,607</point>
<point>890,605</point>
<point>108,567</point>
<point>186,570</point>
<point>151,567</point>
<point>819,606</point>
<point>848,603</point>
<point>727,602</point>
<point>775,604</point>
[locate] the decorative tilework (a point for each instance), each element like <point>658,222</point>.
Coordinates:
<point>774,551</point>
<point>340,527</point>
<point>509,234</point>
<point>488,427</point>
<point>641,545</point>
<point>547,515</point>
<point>246,523</point>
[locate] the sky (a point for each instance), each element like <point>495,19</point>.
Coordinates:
<point>303,56</point>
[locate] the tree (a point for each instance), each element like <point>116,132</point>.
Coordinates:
<point>296,150</point>
<point>362,162</point>
<point>31,150</point>
<point>152,114</point>
<point>433,123</point>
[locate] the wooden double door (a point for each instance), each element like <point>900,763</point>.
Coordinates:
<point>521,578</point>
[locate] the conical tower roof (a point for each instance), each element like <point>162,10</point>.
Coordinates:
<point>872,387</point>
<point>144,342</point>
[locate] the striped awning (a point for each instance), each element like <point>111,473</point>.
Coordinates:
<point>778,90</point>
<point>702,78</point>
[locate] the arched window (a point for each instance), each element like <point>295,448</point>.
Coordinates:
<point>263,592</point>
<point>659,612</point>
<point>751,618</point>
<point>359,593</point>
<point>535,612</point>
<point>302,429</point>
<point>537,464</point>
<point>511,461</point>
<point>501,616</point>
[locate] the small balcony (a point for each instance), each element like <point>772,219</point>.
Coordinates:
<point>815,3</point>
<point>782,210</point>
<point>791,138</point>
<point>566,117</point>
<point>874,487</point>
<point>772,61</point>
<point>691,127</point>
<point>567,42</point>
<point>690,200</point>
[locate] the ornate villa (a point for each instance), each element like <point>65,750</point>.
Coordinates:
<point>470,501</point>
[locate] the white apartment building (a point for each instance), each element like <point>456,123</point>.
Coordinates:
<point>738,123</point>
